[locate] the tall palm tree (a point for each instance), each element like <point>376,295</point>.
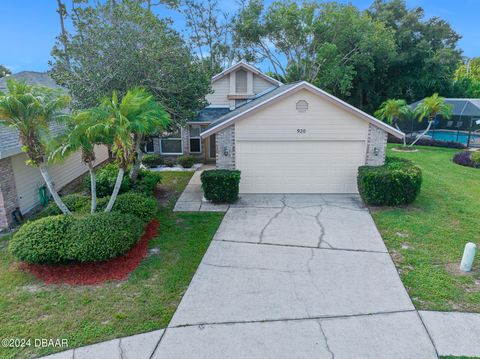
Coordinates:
<point>136,114</point>
<point>151,119</point>
<point>391,111</point>
<point>85,131</point>
<point>30,109</point>
<point>429,108</point>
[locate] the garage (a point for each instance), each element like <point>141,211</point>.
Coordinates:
<point>299,139</point>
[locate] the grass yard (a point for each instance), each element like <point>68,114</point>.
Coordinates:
<point>427,238</point>
<point>85,315</point>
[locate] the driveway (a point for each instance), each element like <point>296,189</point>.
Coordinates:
<point>296,276</point>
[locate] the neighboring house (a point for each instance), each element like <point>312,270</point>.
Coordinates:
<point>297,138</point>
<point>20,184</point>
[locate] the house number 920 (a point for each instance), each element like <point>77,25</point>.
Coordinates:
<point>301,131</point>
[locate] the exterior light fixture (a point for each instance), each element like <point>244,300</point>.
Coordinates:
<point>226,153</point>
<point>376,151</point>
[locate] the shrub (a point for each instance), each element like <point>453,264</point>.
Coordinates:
<point>45,240</point>
<point>467,158</point>
<point>101,236</point>
<point>106,177</point>
<point>137,204</point>
<point>152,161</point>
<point>147,182</point>
<point>186,161</point>
<point>429,142</point>
<point>396,183</point>
<point>221,186</point>
<point>75,202</point>
<point>169,162</point>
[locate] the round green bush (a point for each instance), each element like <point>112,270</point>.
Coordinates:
<point>152,161</point>
<point>147,182</point>
<point>45,240</point>
<point>101,236</point>
<point>106,177</point>
<point>186,161</point>
<point>137,204</point>
<point>221,186</point>
<point>395,183</point>
<point>75,202</point>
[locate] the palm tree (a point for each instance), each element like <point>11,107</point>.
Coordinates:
<point>125,120</point>
<point>391,111</point>
<point>151,119</point>
<point>429,108</point>
<point>30,109</point>
<point>85,131</point>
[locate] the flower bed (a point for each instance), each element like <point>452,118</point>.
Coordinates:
<point>91,273</point>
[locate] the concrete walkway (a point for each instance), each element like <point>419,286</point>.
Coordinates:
<point>192,199</point>
<point>297,276</point>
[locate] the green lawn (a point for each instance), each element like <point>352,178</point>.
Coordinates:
<point>427,238</point>
<point>85,315</point>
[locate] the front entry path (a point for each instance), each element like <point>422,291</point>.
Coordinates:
<point>298,276</point>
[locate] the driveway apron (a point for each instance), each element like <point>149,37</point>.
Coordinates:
<point>296,276</point>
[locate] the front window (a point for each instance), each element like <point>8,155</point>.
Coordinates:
<point>149,146</point>
<point>171,144</point>
<point>195,140</point>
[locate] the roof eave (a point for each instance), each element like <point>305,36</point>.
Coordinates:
<point>249,67</point>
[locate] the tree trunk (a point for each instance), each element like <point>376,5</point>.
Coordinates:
<point>423,134</point>
<point>116,189</point>
<point>404,137</point>
<point>53,192</point>
<point>138,158</point>
<point>93,186</point>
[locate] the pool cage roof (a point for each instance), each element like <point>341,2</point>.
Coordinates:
<point>468,107</point>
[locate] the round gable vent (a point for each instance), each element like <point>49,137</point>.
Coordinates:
<point>302,106</point>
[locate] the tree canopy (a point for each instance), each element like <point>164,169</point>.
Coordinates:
<point>4,71</point>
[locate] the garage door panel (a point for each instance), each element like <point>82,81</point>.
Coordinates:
<point>299,166</point>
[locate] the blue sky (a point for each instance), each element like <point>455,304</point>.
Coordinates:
<point>28,27</point>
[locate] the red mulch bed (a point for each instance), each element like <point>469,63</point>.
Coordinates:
<point>96,272</point>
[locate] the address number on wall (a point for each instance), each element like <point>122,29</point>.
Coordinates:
<point>301,131</point>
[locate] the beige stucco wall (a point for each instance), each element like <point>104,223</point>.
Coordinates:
<point>28,178</point>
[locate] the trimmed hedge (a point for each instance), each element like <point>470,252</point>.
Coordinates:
<point>106,177</point>
<point>137,204</point>
<point>186,161</point>
<point>429,142</point>
<point>101,236</point>
<point>45,240</point>
<point>75,202</point>
<point>396,183</point>
<point>84,238</point>
<point>221,186</point>
<point>147,182</point>
<point>467,158</point>
<point>152,161</point>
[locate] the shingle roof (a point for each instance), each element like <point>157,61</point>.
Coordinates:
<point>210,114</point>
<point>9,141</point>
<point>461,106</point>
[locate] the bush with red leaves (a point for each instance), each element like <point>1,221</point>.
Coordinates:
<point>96,272</point>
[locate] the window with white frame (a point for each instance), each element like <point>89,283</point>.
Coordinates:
<point>171,144</point>
<point>195,140</point>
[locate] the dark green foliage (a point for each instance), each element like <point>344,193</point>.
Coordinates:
<point>147,182</point>
<point>396,183</point>
<point>152,161</point>
<point>137,204</point>
<point>45,240</point>
<point>186,161</point>
<point>221,186</point>
<point>106,177</point>
<point>102,236</point>
<point>75,202</point>
<point>84,238</point>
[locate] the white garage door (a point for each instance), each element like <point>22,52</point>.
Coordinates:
<point>299,166</point>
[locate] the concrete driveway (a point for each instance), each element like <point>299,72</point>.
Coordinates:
<point>296,276</point>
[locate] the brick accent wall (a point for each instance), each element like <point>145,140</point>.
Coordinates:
<point>226,141</point>
<point>8,193</point>
<point>377,139</point>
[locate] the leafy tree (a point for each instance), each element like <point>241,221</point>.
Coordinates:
<point>30,109</point>
<point>335,46</point>
<point>391,111</point>
<point>429,108</point>
<point>467,79</point>
<point>469,69</point>
<point>4,71</point>
<point>118,45</point>
<point>427,52</point>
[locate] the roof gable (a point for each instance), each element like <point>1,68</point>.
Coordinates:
<point>249,68</point>
<point>286,90</point>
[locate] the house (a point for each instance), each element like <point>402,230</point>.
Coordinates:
<point>293,138</point>
<point>20,185</point>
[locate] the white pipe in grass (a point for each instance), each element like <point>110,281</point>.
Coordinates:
<point>468,255</point>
